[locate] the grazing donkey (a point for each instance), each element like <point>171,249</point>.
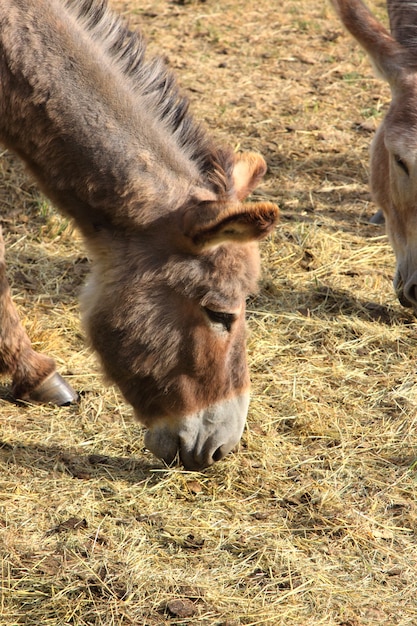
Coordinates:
<point>394,148</point>
<point>111,142</point>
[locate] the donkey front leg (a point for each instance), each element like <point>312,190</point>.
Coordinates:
<point>34,377</point>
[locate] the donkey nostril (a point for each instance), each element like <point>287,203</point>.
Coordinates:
<point>410,296</point>
<point>403,300</point>
<point>219,454</point>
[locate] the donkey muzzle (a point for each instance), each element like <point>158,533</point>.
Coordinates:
<point>406,290</point>
<point>203,438</point>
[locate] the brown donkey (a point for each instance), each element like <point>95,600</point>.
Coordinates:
<point>394,148</point>
<point>110,141</point>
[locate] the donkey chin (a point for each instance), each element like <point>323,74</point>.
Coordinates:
<point>201,439</point>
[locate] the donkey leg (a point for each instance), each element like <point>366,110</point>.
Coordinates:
<point>34,377</point>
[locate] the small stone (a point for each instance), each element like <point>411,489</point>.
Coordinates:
<point>181,608</point>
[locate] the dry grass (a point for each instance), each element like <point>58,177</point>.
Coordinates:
<point>314,521</point>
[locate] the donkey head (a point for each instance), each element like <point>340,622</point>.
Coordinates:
<point>394,149</point>
<point>165,310</point>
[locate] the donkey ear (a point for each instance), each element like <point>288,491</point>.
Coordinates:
<point>216,223</point>
<point>248,169</point>
<point>384,51</point>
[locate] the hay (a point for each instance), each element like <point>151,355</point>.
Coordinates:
<point>313,521</point>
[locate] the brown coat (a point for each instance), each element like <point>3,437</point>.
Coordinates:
<point>110,140</point>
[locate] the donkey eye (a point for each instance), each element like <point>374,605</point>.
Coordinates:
<point>219,317</point>
<point>402,164</point>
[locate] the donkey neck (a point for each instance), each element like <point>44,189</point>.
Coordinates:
<point>99,147</point>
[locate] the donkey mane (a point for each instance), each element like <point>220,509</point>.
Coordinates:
<point>153,80</point>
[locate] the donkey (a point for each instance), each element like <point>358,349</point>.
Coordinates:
<point>110,140</point>
<point>394,148</point>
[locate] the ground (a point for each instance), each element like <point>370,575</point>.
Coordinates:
<point>313,521</point>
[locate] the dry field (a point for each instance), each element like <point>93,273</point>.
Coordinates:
<point>314,520</point>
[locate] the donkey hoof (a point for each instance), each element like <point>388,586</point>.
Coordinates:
<point>377,218</point>
<point>54,390</point>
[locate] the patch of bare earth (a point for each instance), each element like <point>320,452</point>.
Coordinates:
<point>314,520</point>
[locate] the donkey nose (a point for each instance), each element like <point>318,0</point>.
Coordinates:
<point>198,460</point>
<point>220,453</point>
<point>404,299</point>
<point>201,439</point>
<point>405,291</point>
<point>408,298</point>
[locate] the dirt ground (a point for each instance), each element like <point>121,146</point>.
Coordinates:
<point>314,520</point>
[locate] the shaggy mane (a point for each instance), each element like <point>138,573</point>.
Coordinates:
<point>150,78</point>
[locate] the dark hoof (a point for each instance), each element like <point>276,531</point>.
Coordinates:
<point>378,218</point>
<point>53,390</point>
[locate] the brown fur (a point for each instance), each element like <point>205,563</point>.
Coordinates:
<point>394,149</point>
<point>110,141</point>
